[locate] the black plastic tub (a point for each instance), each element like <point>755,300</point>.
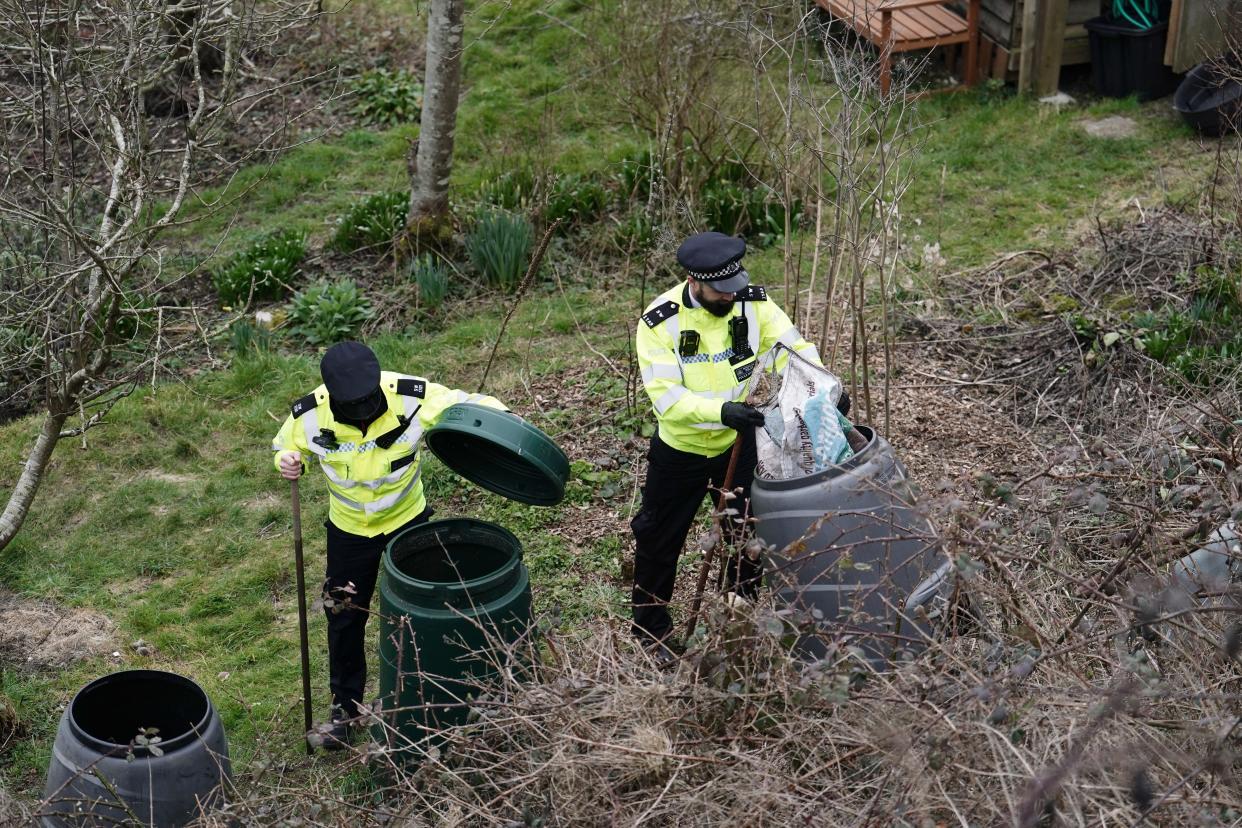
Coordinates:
<point>100,774</point>
<point>1210,97</point>
<point>1128,61</point>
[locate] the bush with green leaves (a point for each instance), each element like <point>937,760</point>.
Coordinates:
<point>329,312</point>
<point>576,200</point>
<point>387,97</point>
<point>500,246</point>
<point>373,222</point>
<point>265,270</point>
<point>738,209</point>
<point>432,278</point>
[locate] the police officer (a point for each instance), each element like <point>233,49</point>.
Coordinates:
<point>363,425</point>
<point>698,345</point>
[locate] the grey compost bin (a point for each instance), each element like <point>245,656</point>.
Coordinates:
<point>849,542</point>
<point>100,775</point>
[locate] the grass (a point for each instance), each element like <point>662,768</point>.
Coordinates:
<point>172,522</point>
<point>1018,174</point>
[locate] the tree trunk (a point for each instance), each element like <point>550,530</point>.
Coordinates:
<point>23,493</point>
<point>429,179</point>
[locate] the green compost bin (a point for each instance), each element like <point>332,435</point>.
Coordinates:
<point>450,590</point>
<point>501,452</point>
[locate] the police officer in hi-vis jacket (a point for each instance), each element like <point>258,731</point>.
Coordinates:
<point>363,426</point>
<point>698,345</point>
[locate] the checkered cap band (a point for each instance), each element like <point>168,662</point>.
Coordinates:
<point>731,269</point>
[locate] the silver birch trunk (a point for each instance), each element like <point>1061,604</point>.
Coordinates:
<point>23,493</point>
<point>441,89</point>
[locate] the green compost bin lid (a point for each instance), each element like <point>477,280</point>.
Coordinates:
<point>501,452</point>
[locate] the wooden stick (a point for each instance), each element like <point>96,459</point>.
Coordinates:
<point>302,633</point>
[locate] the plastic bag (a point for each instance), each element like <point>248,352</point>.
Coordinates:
<point>803,432</point>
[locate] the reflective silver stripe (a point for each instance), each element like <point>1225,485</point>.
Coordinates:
<point>709,426</point>
<point>310,425</point>
<point>752,326</point>
<point>674,328</point>
<point>732,394</point>
<point>346,483</point>
<point>385,501</point>
<point>789,338</point>
<point>651,372</point>
<point>669,397</point>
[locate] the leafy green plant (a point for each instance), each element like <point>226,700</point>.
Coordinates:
<point>510,190</point>
<point>247,338</point>
<point>634,231</point>
<point>328,312</point>
<point>634,176</point>
<point>1202,339</point>
<point>738,209</point>
<point>432,278</point>
<point>576,200</point>
<point>387,97</point>
<point>372,222</point>
<point>263,271</point>
<point>500,246</point>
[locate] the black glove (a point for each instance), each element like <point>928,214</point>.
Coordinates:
<point>738,416</point>
<point>843,404</point>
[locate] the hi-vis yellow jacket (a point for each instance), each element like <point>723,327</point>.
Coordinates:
<point>375,478</point>
<point>687,389</point>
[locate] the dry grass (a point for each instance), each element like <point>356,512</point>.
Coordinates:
<point>1092,693</point>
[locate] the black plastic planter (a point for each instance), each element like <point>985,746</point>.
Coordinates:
<point>1210,98</point>
<point>99,773</point>
<point>1128,61</point>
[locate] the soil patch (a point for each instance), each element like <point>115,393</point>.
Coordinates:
<point>41,635</point>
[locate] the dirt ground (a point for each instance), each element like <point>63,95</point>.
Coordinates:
<point>37,634</point>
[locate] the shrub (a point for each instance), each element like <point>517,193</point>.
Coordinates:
<point>432,278</point>
<point>387,97</point>
<point>372,222</point>
<point>263,271</point>
<point>328,312</point>
<point>634,176</point>
<point>510,190</point>
<point>636,231</point>
<point>734,209</point>
<point>575,199</point>
<point>500,246</point>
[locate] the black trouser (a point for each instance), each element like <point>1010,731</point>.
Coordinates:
<point>353,566</point>
<point>676,484</point>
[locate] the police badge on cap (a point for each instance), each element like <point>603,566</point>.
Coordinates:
<point>715,260</point>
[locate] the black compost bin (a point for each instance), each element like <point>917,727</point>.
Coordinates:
<point>1210,98</point>
<point>1128,61</point>
<point>100,775</point>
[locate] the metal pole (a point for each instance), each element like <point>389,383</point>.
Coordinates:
<point>302,634</point>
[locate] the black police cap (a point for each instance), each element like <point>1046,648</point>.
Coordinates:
<point>715,259</point>
<point>350,370</point>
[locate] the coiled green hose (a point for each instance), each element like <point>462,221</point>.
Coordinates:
<point>1142,14</point>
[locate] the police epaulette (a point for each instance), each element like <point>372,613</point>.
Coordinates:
<point>752,293</point>
<point>411,388</point>
<point>303,404</point>
<point>660,312</point>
